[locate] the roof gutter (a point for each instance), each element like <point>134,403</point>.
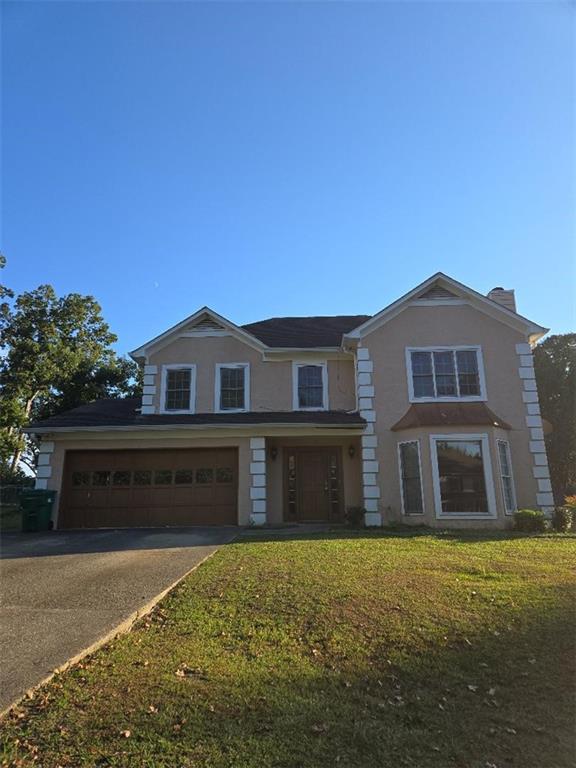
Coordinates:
<point>168,427</point>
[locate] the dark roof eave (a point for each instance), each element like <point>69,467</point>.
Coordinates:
<point>355,425</point>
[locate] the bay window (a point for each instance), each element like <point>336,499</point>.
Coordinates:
<point>410,478</point>
<point>462,476</point>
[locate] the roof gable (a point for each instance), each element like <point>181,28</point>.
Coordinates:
<point>205,322</point>
<point>441,289</point>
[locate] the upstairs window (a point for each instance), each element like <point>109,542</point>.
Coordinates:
<point>178,388</point>
<point>310,387</point>
<point>232,387</point>
<point>445,374</point>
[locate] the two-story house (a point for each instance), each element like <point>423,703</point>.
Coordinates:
<point>426,412</point>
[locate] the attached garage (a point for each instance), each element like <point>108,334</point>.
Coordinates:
<point>140,488</point>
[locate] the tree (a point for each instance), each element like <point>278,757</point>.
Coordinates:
<point>555,366</point>
<point>57,355</point>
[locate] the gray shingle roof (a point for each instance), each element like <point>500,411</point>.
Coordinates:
<point>122,412</point>
<point>305,332</point>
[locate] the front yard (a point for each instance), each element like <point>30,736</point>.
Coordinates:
<point>343,650</point>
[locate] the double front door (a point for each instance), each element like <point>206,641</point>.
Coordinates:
<point>313,485</point>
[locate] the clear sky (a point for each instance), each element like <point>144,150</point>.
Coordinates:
<point>287,158</point>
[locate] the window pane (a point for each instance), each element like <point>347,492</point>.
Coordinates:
<point>503,453</point>
<point>411,486</point>
<point>461,470</point>
<point>224,475</point>
<point>506,474</point>
<point>100,478</point>
<point>121,478</point>
<point>422,363</point>
<point>142,477</point>
<point>178,383</point>
<point>445,374</point>
<point>232,388</point>
<point>80,478</point>
<point>422,378</point>
<point>204,476</point>
<point>184,476</point>
<point>310,386</point>
<point>508,494</point>
<point>163,477</point>
<point>468,379</point>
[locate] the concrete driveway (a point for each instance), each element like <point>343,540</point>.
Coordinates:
<point>62,592</point>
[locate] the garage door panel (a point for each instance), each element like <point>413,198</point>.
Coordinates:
<point>150,488</point>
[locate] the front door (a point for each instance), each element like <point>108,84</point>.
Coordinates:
<point>313,487</point>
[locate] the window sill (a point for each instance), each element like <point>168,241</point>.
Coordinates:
<point>472,399</point>
<point>175,413</point>
<point>466,516</point>
<point>310,409</point>
<point>232,410</point>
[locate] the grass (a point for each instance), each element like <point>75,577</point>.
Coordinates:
<point>344,650</point>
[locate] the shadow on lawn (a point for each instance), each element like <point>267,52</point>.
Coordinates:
<point>469,536</point>
<point>501,701</point>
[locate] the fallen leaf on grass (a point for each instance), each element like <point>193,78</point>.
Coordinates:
<point>319,728</point>
<point>126,734</point>
<point>473,688</point>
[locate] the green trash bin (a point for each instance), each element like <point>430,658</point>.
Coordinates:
<point>36,507</point>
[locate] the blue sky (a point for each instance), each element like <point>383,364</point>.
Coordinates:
<point>287,158</point>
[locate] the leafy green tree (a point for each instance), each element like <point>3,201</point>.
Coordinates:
<point>57,355</point>
<point>555,366</point>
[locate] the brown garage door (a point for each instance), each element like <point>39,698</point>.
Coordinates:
<point>104,489</point>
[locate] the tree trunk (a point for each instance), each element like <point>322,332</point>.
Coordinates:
<point>18,452</point>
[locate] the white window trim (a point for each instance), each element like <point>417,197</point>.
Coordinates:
<point>482,397</point>
<point>217,384</point>
<point>175,367</point>
<point>488,479</point>
<point>509,456</point>
<point>411,514</point>
<point>300,364</point>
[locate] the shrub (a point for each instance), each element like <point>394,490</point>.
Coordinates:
<point>530,521</point>
<point>570,502</point>
<point>355,517</point>
<point>562,519</point>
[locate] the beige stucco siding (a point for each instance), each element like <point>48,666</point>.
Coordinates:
<point>270,381</point>
<point>447,326</point>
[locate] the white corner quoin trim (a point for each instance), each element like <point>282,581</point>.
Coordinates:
<point>370,465</point>
<point>164,376</point>
<point>540,470</point>
<point>296,365</point>
<point>218,384</point>
<point>258,481</point>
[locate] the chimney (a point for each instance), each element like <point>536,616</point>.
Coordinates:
<point>503,296</point>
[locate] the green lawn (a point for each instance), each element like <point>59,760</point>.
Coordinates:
<point>344,650</point>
